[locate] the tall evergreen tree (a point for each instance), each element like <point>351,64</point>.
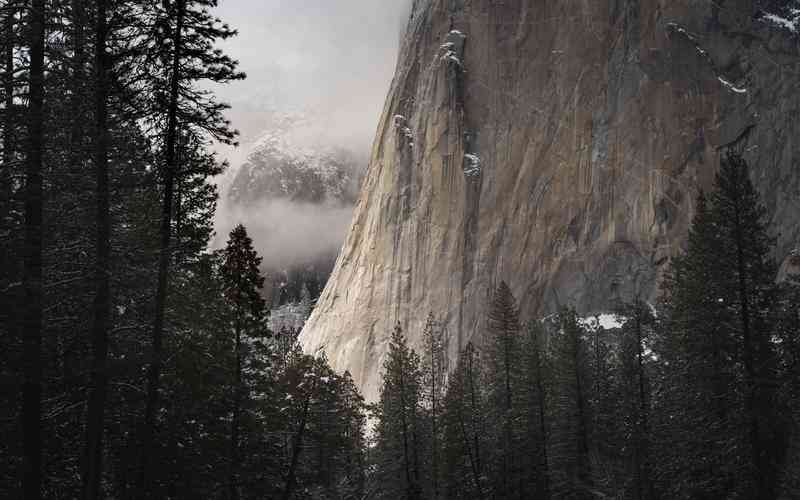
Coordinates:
<point>32,276</point>
<point>11,236</point>
<point>465,422</point>
<point>747,249</point>
<point>694,376</point>
<point>398,445</point>
<point>188,57</point>
<point>720,364</point>
<point>102,297</point>
<point>634,397</point>
<point>504,375</point>
<point>569,444</point>
<point>535,417</point>
<point>789,346</point>
<point>8,43</point>
<point>242,283</point>
<point>434,371</point>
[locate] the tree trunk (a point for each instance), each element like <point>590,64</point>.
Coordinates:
<point>237,400</point>
<point>435,441</point>
<point>406,460</point>
<point>474,406</point>
<point>642,473</point>
<point>584,475</point>
<point>298,444</point>
<point>747,352</point>
<point>154,371</point>
<point>8,114</point>
<point>102,300</point>
<point>507,460</point>
<point>32,269</point>
<point>540,390</point>
<point>473,460</point>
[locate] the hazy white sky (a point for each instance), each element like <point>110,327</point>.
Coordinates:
<point>335,57</point>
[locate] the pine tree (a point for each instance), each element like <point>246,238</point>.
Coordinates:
<point>305,379</point>
<point>102,299</point>
<point>747,250</point>
<point>398,444</point>
<point>187,58</point>
<point>11,236</point>
<point>32,276</point>
<point>720,367</point>
<point>694,374</point>
<point>789,346</point>
<point>634,398</point>
<point>10,131</point>
<point>465,422</point>
<point>569,445</point>
<point>504,363</point>
<point>434,371</point>
<point>242,283</point>
<point>535,419</point>
<point>354,421</point>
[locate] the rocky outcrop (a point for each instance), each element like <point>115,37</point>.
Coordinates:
<point>559,146</point>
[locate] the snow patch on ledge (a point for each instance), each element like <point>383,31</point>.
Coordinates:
<point>401,124</point>
<point>472,165</point>
<point>452,49</point>
<point>677,28</point>
<point>605,321</point>
<point>789,22</point>
<point>731,86</point>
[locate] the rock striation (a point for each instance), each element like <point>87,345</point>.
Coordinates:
<point>559,146</point>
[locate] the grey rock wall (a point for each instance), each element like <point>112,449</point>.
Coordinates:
<point>556,145</point>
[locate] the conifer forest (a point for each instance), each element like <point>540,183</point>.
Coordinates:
<point>152,341</point>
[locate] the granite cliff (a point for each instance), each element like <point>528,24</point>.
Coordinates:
<point>559,146</point>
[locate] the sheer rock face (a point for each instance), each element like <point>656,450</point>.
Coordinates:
<point>556,145</point>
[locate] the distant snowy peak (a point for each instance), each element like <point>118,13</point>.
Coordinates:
<point>291,160</point>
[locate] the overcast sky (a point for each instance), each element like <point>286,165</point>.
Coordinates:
<point>335,57</point>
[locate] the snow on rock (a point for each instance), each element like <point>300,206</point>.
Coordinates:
<point>731,86</point>
<point>401,124</point>
<point>788,18</point>
<point>450,56</point>
<point>472,165</point>
<point>605,321</point>
<point>452,50</point>
<point>677,28</point>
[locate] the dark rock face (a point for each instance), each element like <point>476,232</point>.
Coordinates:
<point>559,146</point>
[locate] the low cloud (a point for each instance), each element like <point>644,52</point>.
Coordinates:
<point>286,233</point>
